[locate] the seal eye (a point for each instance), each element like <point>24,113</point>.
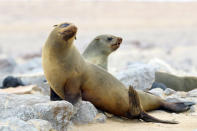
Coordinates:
<point>63,25</point>
<point>109,38</point>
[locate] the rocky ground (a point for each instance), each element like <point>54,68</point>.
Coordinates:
<point>157,36</point>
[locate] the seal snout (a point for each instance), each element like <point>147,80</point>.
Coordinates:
<point>117,44</point>
<point>69,31</point>
<point>119,41</point>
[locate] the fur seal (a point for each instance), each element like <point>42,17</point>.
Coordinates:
<point>72,78</point>
<point>100,48</point>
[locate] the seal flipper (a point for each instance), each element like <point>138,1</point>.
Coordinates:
<point>177,106</point>
<point>136,110</point>
<point>54,96</point>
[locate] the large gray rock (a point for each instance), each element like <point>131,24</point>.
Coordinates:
<point>87,113</point>
<point>7,65</point>
<point>28,67</point>
<point>41,125</point>
<point>36,79</point>
<point>27,107</point>
<point>16,124</point>
<point>158,92</point>
<point>192,93</point>
<point>140,76</point>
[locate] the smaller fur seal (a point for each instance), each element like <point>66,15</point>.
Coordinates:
<point>72,78</point>
<point>100,48</point>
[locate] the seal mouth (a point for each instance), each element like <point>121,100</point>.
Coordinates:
<point>117,44</point>
<point>69,32</point>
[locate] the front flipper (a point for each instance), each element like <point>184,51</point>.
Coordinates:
<point>54,96</point>
<point>72,91</point>
<point>136,111</point>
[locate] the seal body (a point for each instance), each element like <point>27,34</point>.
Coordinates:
<point>72,78</point>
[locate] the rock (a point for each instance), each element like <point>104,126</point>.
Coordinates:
<point>36,79</point>
<point>158,85</point>
<point>157,92</point>
<point>11,81</point>
<point>86,113</point>
<point>169,91</point>
<point>140,76</point>
<point>192,109</point>
<point>7,65</point>
<point>26,107</point>
<point>160,65</point>
<point>31,89</point>
<point>31,66</point>
<point>100,118</point>
<point>10,101</point>
<point>15,124</point>
<point>41,125</point>
<point>192,93</point>
<point>58,113</point>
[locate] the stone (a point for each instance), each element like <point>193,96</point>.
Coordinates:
<point>140,76</point>
<point>86,113</point>
<point>7,65</point>
<point>192,93</point>
<point>15,124</point>
<point>27,107</point>
<point>100,118</point>
<point>41,125</point>
<point>169,91</point>
<point>36,79</point>
<point>28,67</point>
<point>158,92</point>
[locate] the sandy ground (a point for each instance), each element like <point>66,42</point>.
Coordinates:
<point>187,123</point>
<point>168,29</point>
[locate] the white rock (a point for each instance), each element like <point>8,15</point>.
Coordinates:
<point>169,91</point>
<point>86,113</point>
<point>140,76</point>
<point>41,125</point>
<point>7,65</point>
<point>31,66</point>
<point>26,107</point>
<point>157,92</point>
<point>192,93</point>
<point>15,124</point>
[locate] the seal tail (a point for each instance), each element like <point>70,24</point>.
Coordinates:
<point>136,110</point>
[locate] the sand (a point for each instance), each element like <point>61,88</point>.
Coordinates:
<point>187,123</point>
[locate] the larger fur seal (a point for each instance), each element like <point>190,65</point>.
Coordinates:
<point>71,77</point>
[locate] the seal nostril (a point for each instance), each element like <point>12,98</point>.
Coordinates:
<point>63,25</point>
